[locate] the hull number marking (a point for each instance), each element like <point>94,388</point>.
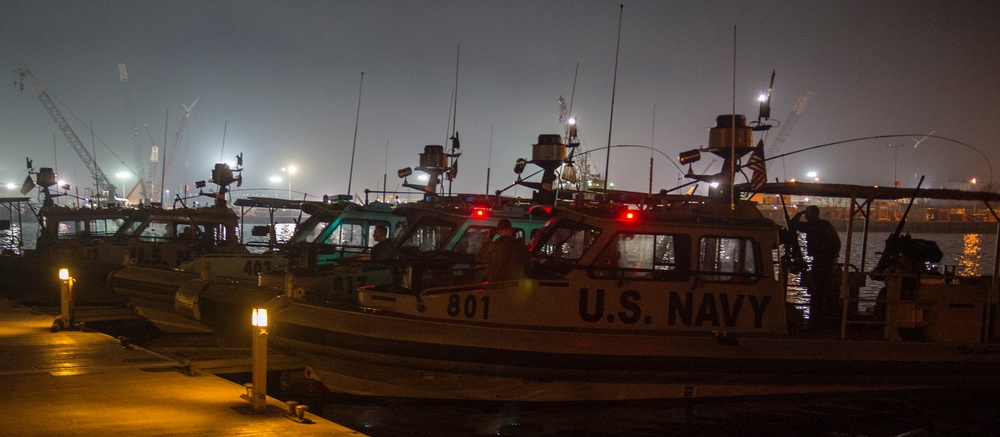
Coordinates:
<point>469,307</point>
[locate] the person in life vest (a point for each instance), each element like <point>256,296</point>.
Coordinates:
<point>823,245</point>
<point>506,256</point>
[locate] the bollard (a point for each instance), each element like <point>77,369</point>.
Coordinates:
<point>258,397</point>
<point>300,411</point>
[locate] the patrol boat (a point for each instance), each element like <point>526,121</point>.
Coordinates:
<point>151,237</point>
<point>30,272</point>
<point>652,297</point>
<point>439,231</point>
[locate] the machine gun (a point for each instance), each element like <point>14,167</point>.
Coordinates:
<point>793,259</point>
<point>906,253</point>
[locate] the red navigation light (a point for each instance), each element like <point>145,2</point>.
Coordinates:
<point>479,213</point>
<point>629,216</point>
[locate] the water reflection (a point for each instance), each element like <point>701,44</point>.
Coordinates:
<point>9,239</point>
<point>969,261</point>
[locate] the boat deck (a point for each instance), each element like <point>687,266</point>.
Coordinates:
<point>87,384</point>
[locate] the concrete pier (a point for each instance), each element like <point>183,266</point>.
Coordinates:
<point>88,384</point>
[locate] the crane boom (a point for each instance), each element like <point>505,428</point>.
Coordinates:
<point>170,152</point>
<point>786,128</point>
<point>102,181</point>
<point>133,135</point>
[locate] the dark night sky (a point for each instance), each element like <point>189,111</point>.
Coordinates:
<point>285,76</point>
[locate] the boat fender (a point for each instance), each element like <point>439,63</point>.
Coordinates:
<point>186,300</point>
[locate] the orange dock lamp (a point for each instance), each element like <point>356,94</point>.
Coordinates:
<point>66,304</point>
<point>258,395</point>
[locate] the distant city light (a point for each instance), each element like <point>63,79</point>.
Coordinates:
<point>812,174</point>
<point>973,181</point>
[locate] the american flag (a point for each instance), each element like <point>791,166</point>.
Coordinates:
<point>758,166</point>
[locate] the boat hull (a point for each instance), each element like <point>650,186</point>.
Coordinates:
<point>165,297</point>
<point>382,354</point>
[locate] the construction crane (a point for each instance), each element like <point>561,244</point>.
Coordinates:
<point>133,136</point>
<point>171,151</point>
<point>786,128</point>
<point>103,184</point>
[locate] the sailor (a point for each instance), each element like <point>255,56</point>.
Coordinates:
<point>823,244</point>
<point>383,248</point>
<point>506,257</point>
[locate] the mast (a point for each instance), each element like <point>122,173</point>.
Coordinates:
<point>614,84</point>
<point>357,117</point>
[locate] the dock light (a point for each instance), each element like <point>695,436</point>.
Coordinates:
<point>66,304</point>
<point>258,387</point>
<point>404,172</point>
<point>259,317</point>
<point>200,184</point>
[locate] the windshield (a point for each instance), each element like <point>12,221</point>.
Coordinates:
<point>310,230</point>
<point>566,241</point>
<point>428,234</point>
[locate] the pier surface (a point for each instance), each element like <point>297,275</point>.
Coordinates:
<point>88,384</point>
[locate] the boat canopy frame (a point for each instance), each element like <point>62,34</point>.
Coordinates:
<point>861,198</point>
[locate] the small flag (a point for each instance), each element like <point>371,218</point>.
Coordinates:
<point>28,186</point>
<point>757,165</point>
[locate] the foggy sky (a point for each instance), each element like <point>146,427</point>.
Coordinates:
<point>280,83</point>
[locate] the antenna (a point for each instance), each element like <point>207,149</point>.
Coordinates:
<point>385,169</point>
<point>489,161</point>
<point>652,147</point>
<point>357,117</point>
<point>222,153</point>
<point>732,131</point>
<point>614,83</point>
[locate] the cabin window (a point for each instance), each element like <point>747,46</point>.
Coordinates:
<point>156,230</point>
<point>312,232</point>
<point>70,229</point>
<point>473,239</point>
<point>185,231</point>
<point>651,256</point>
<point>370,241</point>
<point>129,228</point>
<point>567,241</point>
<point>725,259</point>
<point>213,233</point>
<point>428,235</point>
<point>104,227</point>
<point>348,235</point>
